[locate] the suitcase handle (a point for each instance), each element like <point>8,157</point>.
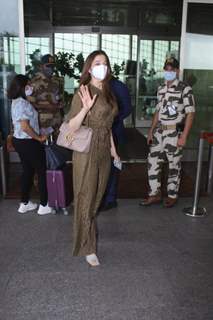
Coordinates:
<point>54,176</point>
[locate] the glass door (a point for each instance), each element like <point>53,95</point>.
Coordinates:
<point>9,66</point>
<point>151,57</point>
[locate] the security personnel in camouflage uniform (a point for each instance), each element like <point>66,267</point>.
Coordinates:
<point>47,95</point>
<point>167,136</point>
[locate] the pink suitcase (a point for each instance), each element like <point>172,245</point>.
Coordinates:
<point>59,192</point>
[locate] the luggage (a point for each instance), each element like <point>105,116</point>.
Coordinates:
<point>54,158</point>
<point>59,189</point>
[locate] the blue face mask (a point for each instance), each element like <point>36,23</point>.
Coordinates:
<point>170,75</point>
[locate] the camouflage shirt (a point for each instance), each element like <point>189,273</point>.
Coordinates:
<point>174,102</point>
<point>47,91</point>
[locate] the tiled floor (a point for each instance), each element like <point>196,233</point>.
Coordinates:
<point>156,264</point>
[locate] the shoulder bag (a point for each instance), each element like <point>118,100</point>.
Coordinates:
<point>78,141</point>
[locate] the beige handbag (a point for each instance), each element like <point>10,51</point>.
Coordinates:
<point>78,141</point>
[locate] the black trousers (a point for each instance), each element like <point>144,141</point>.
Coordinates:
<point>32,155</point>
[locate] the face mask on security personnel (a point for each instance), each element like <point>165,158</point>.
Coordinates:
<point>170,75</point>
<point>99,72</point>
<point>48,71</point>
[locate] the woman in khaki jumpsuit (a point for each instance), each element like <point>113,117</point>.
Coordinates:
<point>94,105</point>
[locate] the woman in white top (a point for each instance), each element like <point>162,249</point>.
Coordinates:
<point>28,144</point>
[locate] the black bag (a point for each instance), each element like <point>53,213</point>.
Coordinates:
<point>54,158</point>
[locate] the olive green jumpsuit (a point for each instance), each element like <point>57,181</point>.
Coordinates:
<point>91,171</point>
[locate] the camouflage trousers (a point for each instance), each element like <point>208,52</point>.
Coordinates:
<point>164,146</point>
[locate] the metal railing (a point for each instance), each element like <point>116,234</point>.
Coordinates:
<point>195,210</point>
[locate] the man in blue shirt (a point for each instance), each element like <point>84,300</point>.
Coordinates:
<point>123,98</point>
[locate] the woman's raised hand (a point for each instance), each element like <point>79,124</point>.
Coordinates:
<point>86,99</point>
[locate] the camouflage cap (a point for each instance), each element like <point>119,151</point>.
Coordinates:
<point>47,59</point>
<point>174,63</point>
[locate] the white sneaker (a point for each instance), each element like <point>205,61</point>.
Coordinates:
<point>44,209</point>
<point>23,208</point>
<point>92,259</point>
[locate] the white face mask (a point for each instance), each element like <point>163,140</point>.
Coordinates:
<point>28,90</point>
<point>99,72</point>
<point>170,75</point>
